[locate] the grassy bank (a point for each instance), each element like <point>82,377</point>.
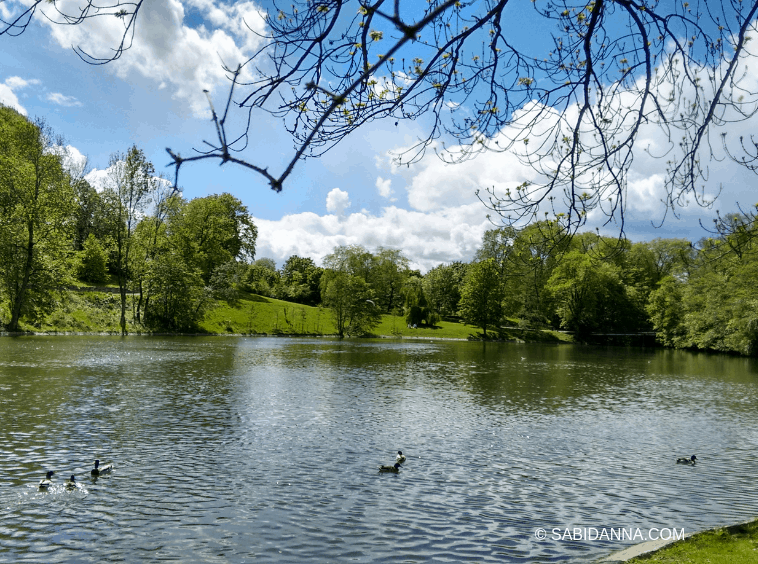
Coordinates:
<point>99,312</point>
<point>259,315</point>
<point>737,544</point>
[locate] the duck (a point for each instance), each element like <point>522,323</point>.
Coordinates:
<point>46,482</point>
<point>97,470</point>
<point>71,484</point>
<point>400,457</point>
<point>685,460</point>
<point>395,468</point>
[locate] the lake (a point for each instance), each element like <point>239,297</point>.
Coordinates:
<point>234,449</point>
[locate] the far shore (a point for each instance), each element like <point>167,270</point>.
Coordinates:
<point>283,335</point>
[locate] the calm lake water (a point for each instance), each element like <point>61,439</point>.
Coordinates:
<point>236,449</point>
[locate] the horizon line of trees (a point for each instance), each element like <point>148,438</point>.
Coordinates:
<point>172,257</point>
<point>694,296</point>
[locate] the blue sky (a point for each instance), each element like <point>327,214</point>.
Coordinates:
<point>153,97</point>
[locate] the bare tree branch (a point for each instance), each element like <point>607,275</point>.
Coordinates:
<point>126,11</point>
<point>571,104</point>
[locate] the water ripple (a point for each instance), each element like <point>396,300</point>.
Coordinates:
<point>234,449</point>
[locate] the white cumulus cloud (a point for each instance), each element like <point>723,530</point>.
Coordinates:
<point>8,96</point>
<point>337,201</point>
<point>384,187</point>
<point>62,100</point>
<point>165,48</point>
<point>427,239</point>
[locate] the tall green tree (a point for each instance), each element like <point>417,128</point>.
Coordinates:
<point>350,300</point>
<point>482,295</point>
<point>91,215</point>
<point>172,293</point>
<point>418,311</point>
<point>719,298</point>
<point>590,296</point>
<point>536,250</point>
<point>177,294</point>
<point>131,182</point>
<point>261,277</point>
<point>214,230</point>
<point>442,287</point>
<point>389,273</point>
<point>665,309</point>
<point>353,259</point>
<point>497,244</point>
<point>301,280</point>
<point>94,261</point>
<point>149,238</point>
<point>36,209</point>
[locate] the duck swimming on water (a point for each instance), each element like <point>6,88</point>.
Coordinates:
<point>46,482</point>
<point>685,460</point>
<point>395,468</point>
<point>400,457</point>
<point>105,469</point>
<point>71,484</point>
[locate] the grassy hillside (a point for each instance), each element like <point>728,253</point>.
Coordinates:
<point>259,315</point>
<point>98,312</point>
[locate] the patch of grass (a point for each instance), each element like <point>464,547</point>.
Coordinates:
<point>737,544</point>
<point>87,312</point>
<point>395,325</point>
<point>257,315</point>
<point>110,282</point>
<point>536,335</point>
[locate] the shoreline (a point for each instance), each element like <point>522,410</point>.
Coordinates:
<point>650,547</point>
<point>643,548</point>
<point>284,335</point>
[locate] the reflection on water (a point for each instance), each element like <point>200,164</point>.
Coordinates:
<point>262,449</point>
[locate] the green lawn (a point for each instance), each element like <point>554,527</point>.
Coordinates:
<point>392,325</point>
<point>258,315</point>
<point>731,545</point>
<point>98,312</point>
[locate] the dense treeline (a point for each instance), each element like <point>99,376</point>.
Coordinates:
<point>693,296</point>
<point>172,259</point>
<point>700,296</point>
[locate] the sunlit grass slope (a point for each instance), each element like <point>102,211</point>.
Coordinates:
<point>99,312</point>
<point>258,315</point>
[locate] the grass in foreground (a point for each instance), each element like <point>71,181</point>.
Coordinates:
<point>737,544</point>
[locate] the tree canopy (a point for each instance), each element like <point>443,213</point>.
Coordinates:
<point>482,295</point>
<point>36,200</point>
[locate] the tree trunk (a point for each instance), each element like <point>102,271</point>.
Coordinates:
<point>20,296</point>
<point>139,302</point>
<point>122,290</point>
